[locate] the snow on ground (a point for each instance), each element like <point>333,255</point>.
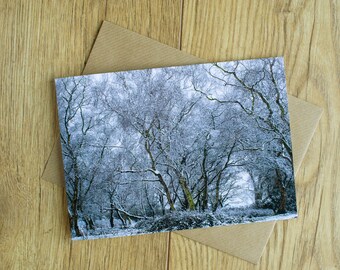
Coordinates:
<point>249,216</point>
<point>114,233</point>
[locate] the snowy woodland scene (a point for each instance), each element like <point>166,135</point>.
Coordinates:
<point>176,148</point>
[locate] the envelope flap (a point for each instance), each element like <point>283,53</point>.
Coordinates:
<point>304,118</point>
<point>119,49</point>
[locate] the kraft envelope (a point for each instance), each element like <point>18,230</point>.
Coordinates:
<point>118,49</point>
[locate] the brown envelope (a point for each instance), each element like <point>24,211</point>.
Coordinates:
<point>118,49</point>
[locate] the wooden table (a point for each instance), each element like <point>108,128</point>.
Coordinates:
<point>41,40</point>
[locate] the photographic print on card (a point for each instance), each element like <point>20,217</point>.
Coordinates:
<point>176,148</point>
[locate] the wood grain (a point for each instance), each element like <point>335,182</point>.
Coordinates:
<point>41,40</point>
<point>306,33</point>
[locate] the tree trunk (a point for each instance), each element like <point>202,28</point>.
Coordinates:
<point>121,218</point>
<point>74,224</point>
<point>283,195</point>
<point>89,223</point>
<point>161,200</point>
<point>283,200</point>
<point>167,192</point>
<point>217,192</point>
<point>75,200</point>
<point>159,176</point>
<point>205,183</point>
<point>112,219</point>
<point>187,193</point>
